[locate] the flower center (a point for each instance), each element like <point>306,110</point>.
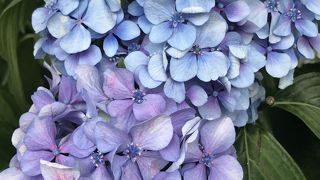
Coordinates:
<point>97,158</point>
<point>215,93</point>
<point>138,96</point>
<point>196,50</point>
<point>269,48</point>
<point>56,152</point>
<point>133,151</point>
<point>133,47</point>
<point>272,5</point>
<point>176,19</point>
<point>207,159</point>
<point>294,14</point>
<point>220,5</point>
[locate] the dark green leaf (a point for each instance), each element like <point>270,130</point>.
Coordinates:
<point>303,100</point>
<point>262,157</point>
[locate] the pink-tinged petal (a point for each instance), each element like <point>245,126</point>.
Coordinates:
<point>65,160</point>
<point>118,84</point>
<point>81,140</point>
<point>130,171</point>
<point>218,135</point>
<point>154,134</point>
<point>101,172</point>
<point>226,167</point>
<point>197,95</point>
<point>30,162</point>
<point>14,174</point>
<point>109,138</point>
<point>175,175</point>
<point>172,151</point>
<point>152,106</point>
<point>198,172</point>
<point>41,135</point>
<point>237,11</point>
<point>54,171</point>
<point>211,109</point>
<point>119,107</point>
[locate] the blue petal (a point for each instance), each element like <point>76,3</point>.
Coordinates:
<point>144,24</point>
<point>127,30</point>
<point>99,17</point>
<point>307,27</point>
<point>313,6</point>
<point>114,5</point>
<point>77,40</point>
<point>135,9</point>
<point>256,60</point>
<point>71,64</point>
<point>220,65</point>
<point>245,78</point>
<point>283,27</point>
<point>78,13</point>
<point>206,66</point>
<point>212,32</point>
<point>110,45</point>
<point>239,51</point>
<point>40,19</point>
<point>185,68</point>
<point>195,6</point>
<point>257,18</point>
<point>159,11</point>
<point>237,11</point>
<point>285,43</point>
<point>145,79</point>
<point>134,60</point>
<point>161,32</point>
<point>178,38</point>
<point>156,68</point>
<point>66,7</point>
<point>211,109</point>
<point>278,64</point>
<point>234,68</point>
<point>286,80</point>
<point>197,19</point>
<point>91,56</point>
<point>305,48</point>
<point>60,25</point>
<point>174,90</point>
<point>176,53</point>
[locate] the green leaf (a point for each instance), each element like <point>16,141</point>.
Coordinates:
<point>262,156</point>
<point>303,100</point>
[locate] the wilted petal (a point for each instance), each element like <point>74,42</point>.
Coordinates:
<point>197,95</point>
<point>226,167</point>
<point>237,11</point>
<point>159,11</point>
<point>99,17</point>
<point>154,134</point>
<point>211,109</point>
<point>127,30</point>
<point>185,68</point>
<point>278,64</point>
<point>77,40</point>
<point>109,138</point>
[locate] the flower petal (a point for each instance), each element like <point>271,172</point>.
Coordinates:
<point>40,19</point>
<point>278,64</point>
<point>185,68</point>
<point>198,172</point>
<point>60,25</point>
<point>178,39</point>
<point>152,106</point>
<point>159,11</point>
<point>211,109</point>
<point>54,171</point>
<point>30,162</point>
<point>197,95</point>
<point>110,45</point>
<point>77,40</point>
<point>226,167</point>
<point>195,6</point>
<point>161,32</point>
<point>134,60</point>
<point>127,30</point>
<point>175,90</point>
<point>237,11</point>
<point>307,27</point>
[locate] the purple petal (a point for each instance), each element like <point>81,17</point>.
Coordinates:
<point>211,109</point>
<point>42,97</point>
<point>101,172</point>
<point>109,138</point>
<point>172,151</point>
<point>237,11</point>
<point>226,167</point>
<point>81,140</point>
<point>131,171</point>
<point>175,175</point>
<point>119,107</point>
<point>118,83</point>
<point>197,95</point>
<point>154,135</point>
<point>30,162</point>
<point>41,135</point>
<point>307,27</point>
<point>152,106</point>
<point>305,48</point>
<point>150,164</point>
<point>198,172</point>
<point>218,135</point>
